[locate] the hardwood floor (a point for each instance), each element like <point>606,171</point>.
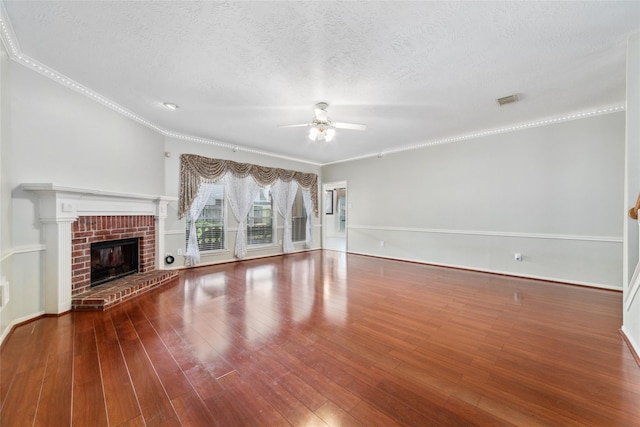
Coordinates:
<point>326,338</point>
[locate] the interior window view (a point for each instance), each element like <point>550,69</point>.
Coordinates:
<point>260,220</point>
<point>209,225</point>
<point>298,219</point>
<point>305,213</point>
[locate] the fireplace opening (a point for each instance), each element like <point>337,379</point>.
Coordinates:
<point>112,260</point>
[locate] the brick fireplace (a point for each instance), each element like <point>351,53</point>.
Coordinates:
<point>73,218</point>
<point>94,229</point>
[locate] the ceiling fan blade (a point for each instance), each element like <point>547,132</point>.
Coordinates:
<point>294,126</point>
<point>352,126</point>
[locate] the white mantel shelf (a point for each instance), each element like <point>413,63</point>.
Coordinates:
<point>60,202</point>
<point>60,206</point>
<point>89,192</point>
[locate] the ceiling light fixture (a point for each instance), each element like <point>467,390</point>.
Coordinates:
<point>322,130</point>
<point>170,106</point>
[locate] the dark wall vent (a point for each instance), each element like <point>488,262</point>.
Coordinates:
<point>508,99</point>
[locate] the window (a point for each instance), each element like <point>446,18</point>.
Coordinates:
<point>260,220</point>
<point>210,223</point>
<point>298,219</point>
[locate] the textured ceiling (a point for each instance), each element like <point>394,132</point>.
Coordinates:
<point>414,72</point>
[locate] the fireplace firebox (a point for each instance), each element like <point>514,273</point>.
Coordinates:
<point>113,259</point>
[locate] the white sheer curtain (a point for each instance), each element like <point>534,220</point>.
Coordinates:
<point>193,251</point>
<point>308,207</point>
<point>283,195</point>
<point>241,192</point>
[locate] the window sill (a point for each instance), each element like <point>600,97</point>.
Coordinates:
<point>214,252</point>
<point>260,246</point>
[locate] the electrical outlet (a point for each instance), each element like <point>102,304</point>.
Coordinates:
<point>179,251</point>
<point>382,243</point>
<point>517,256</point>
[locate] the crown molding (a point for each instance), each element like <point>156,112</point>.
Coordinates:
<point>12,46</point>
<point>10,41</point>
<point>598,111</point>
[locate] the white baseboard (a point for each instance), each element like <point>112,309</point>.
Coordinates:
<point>16,322</point>
<point>634,345</point>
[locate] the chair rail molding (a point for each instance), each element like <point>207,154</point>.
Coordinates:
<point>611,239</point>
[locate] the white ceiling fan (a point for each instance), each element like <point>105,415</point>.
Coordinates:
<point>323,129</point>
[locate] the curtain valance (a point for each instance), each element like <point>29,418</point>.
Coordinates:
<point>195,169</point>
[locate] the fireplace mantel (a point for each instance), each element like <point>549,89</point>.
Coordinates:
<point>60,206</point>
<point>68,203</point>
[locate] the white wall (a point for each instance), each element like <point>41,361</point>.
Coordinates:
<point>552,193</point>
<point>5,179</point>
<point>55,135</point>
<point>176,229</point>
<point>52,134</point>
<point>631,309</point>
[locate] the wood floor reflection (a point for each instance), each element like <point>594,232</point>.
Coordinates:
<point>327,338</point>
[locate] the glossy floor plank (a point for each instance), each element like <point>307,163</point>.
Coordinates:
<point>329,339</point>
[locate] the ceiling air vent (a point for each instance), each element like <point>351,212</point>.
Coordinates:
<point>508,99</point>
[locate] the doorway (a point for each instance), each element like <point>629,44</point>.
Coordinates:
<point>335,216</point>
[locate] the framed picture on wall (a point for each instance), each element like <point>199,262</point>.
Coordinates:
<point>328,202</point>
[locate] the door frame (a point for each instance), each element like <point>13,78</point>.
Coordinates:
<point>334,185</point>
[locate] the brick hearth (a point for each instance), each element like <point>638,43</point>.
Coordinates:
<point>109,294</point>
<point>94,229</point>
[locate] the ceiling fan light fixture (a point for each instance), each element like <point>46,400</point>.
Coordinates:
<point>322,128</point>
<point>322,131</point>
<point>313,134</point>
<point>329,134</point>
